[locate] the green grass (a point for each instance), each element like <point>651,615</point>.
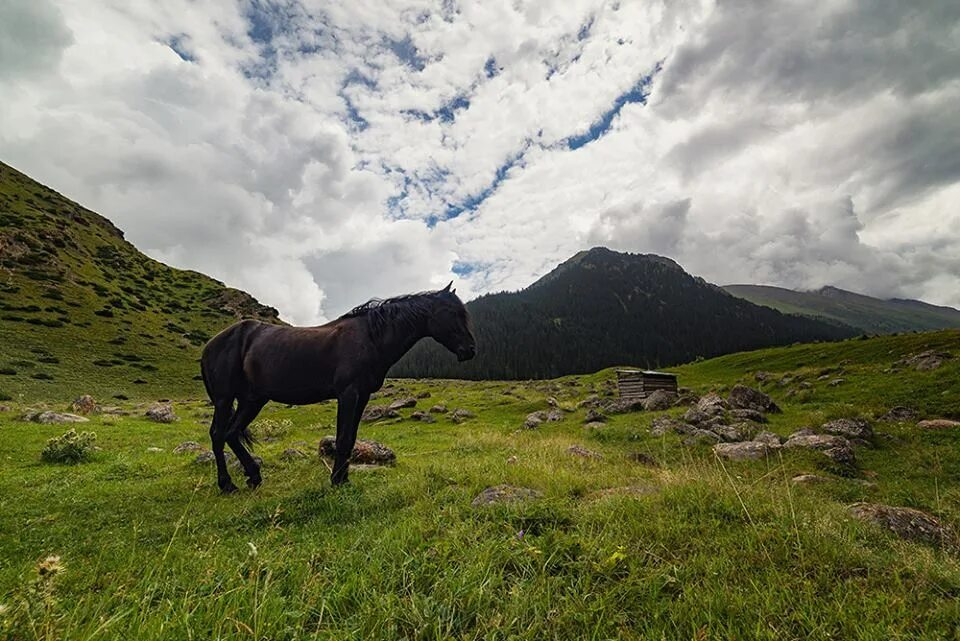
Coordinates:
<point>710,549</point>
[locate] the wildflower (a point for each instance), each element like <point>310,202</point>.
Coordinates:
<point>520,535</point>
<point>50,566</point>
<point>253,550</point>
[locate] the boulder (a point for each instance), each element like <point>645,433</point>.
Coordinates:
<point>161,413</point>
<point>534,419</point>
<point>595,425</point>
<point>423,395</point>
<point>701,437</point>
<point>642,459</point>
<point>368,452</point>
<point>292,454</point>
<point>748,415</point>
<point>733,433</point>
<point>378,413</point>
<point>900,414</point>
<point>712,405</point>
<point>594,416</point>
<point>591,401</point>
<point>84,405</point>
<point>500,494</point>
<point>206,457</point>
<point>747,450</point>
<point>836,382</point>
<point>746,398</point>
<point>188,447</point>
<point>402,403</point>
<point>938,424</point>
<point>857,428</point>
<point>836,448</point>
<point>769,438</point>
<point>48,418</point>
<point>423,417</point>
<point>459,416</point>
<point>924,361</point>
<point>579,450</point>
<point>694,415</point>
<point>623,406</point>
<point>438,409</point>
<point>659,400</point>
<point>907,523</point>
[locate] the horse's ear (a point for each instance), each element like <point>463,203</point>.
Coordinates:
<point>449,285</point>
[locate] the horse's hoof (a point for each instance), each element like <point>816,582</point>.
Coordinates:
<point>228,488</point>
<point>254,483</point>
<point>341,481</point>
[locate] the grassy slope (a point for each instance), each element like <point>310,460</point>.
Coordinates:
<point>869,314</point>
<point>82,311</point>
<point>714,550</point>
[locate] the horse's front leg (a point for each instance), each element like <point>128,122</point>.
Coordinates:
<point>350,406</point>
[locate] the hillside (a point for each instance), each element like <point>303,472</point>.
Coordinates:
<point>868,314</point>
<point>82,311</point>
<point>603,308</point>
<point>634,533</point>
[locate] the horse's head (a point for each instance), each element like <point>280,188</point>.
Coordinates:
<point>449,324</point>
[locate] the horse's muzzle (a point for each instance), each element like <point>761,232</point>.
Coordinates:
<point>466,353</point>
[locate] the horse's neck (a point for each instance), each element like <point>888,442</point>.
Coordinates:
<point>398,339</point>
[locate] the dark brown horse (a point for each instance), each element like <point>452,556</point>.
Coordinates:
<point>251,363</point>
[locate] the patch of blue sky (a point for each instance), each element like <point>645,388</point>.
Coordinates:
<point>407,53</point>
<point>445,113</point>
<point>490,68</point>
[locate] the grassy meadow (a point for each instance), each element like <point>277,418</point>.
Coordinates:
<point>693,547</point>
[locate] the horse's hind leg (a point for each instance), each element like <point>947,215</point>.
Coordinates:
<point>247,410</point>
<point>222,418</point>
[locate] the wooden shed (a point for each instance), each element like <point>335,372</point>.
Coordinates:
<point>637,384</point>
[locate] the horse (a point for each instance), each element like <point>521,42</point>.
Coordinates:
<point>252,363</point>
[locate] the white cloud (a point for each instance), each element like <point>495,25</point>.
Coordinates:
<point>309,151</point>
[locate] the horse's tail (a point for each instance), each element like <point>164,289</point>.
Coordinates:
<point>247,437</point>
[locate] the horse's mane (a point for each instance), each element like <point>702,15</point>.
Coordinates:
<point>405,309</point>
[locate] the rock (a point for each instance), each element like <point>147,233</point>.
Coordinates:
<point>234,462</point>
<point>500,494</point>
<point>48,418</point>
<point>378,413</point>
<point>554,415</point>
<point>746,398</point>
<point>907,523</point>
<point>369,452</point>
<point>423,395</point>
<point>84,405</point>
<point>579,450</point>
<point>744,451</point>
<point>712,405</point>
<point>438,409</point>
<point>924,361</point>
<point>423,417</point>
<point>835,382</point>
<point>205,457</point>
<point>768,438</point>
<point>858,428</point>
<point>623,406</point>
<point>188,446</point>
<point>534,419</point>
<point>594,416</point>
<point>659,400</point>
<point>809,479</point>
<point>459,416</point>
<point>761,377</point>
<point>748,415</point>
<point>402,403</point>
<point>642,459</point>
<point>5,408</point>
<point>701,437</point>
<point>900,414</point>
<point>836,448</point>
<point>733,433</point>
<point>154,450</point>
<point>292,454</point>
<point>161,413</point>
<point>591,401</point>
<point>806,431</point>
<point>595,425</point>
<point>938,424</point>
<point>511,460</point>
<point>552,402</point>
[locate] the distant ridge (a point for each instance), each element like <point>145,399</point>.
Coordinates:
<point>601,308</point>
<point>866,313</point>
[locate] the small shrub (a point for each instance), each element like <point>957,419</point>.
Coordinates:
<point>42,376</point>
<point>71,447</point>
<point>271,428</point>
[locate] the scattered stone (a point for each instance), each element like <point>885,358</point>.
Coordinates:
<point>378,413</point>
<point>511,460</point>
<point>402,403</point>
<point>836,448</point>
<point>748,415</point>
<point>534,419</point>
<point>762,377</point>
<point>438,409</point>
<point>594,425</point>
<point>205,457</point>
<point>292,454</point>
<point>857,428</point>
<point>161,413</point>
<point>746,398</point>
<point>907,523</point>
<point>234,462</point>
<point>938,424</point>
<point>552,402</point>
<point>423,417</point>
<point>594,416</point>
<point>591,401</point>
<point>579,450</point>
<point>747,450</point>
<point>642,459</point>
<point>806,431</point>
<point>701,437</point>
<point>924,361</point>
<point>809,479</point>
<point>188,446</point>
<point>5,408</point>
<point>500,494</point>
<point>369,452</point>
<point>712,405</point>
<point>768,438</point>
<point>733,433</point>
<point>835,382</point>
<point>154,449</point>
<point>623,406</point>
<point>423,395</point>
<point>47,417</point>
<point>694,415</point>
<point>84,405</point>
<point>659,400</point>
<point>459,416</point>
<point>900,414</point>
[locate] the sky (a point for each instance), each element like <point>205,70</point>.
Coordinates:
<point>318,154</point>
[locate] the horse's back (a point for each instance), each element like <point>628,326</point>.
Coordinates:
<point>221,361</point>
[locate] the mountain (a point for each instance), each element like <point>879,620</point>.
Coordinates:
<point>603,308</point>
<point>868,314</point>
<point>81,307</point>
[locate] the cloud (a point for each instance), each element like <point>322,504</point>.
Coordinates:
<point>320,153</point>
